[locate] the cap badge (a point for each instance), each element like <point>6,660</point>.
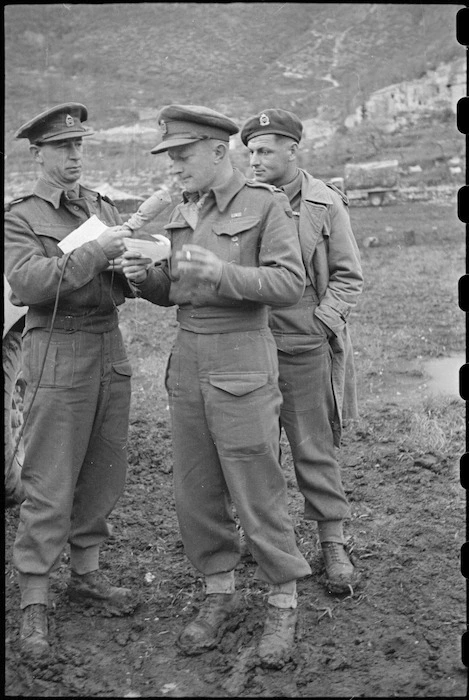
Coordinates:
<point>264,119</point>
<point>163,127</point>
<point>69,121</point>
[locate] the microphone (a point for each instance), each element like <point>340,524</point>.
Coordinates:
<point>148,210</point>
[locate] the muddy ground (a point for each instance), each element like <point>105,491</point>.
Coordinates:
<point>399,634</point>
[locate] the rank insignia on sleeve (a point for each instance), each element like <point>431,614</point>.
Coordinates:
<point>264,120</point>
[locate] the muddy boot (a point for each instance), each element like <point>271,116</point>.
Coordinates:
<point>34,630</point>
<point>95,588</point>
<point>278,638</point>
<point>214,618</point>
<point>341,575</point>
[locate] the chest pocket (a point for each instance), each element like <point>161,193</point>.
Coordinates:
<point>233,240</point>
<point>50,235</point>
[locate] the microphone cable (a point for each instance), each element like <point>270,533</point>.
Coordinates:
<point>54,314</point>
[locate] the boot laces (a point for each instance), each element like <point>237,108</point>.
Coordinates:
<point>214,606</point>
<point>336,552</point>
<point>276,619</point>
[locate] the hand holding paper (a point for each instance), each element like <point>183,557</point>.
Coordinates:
<point>156,250</point>
<point>113,239</point>
<point>89,231</point>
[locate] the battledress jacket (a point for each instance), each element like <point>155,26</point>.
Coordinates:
<point>249,226</point>
<point>34,226</point>
<point>332,263</point>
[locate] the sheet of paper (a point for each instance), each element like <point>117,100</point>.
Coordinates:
<point>158,249</point>
<point>89,231</point>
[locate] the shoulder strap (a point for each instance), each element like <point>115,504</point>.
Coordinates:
<point>17,200</point>
<point>341,194</point>
<point>265,185</point>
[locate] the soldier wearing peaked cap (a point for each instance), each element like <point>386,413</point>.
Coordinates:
<point>235,252</point>
<point>181,125</point>
<point>317,376</point>
<point>75,461</point>
<point>63,121</point>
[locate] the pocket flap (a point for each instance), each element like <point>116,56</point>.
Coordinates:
<point>239,383</point>
<point>55,231</point>
<point>234,226</point>
<point>122,367</point>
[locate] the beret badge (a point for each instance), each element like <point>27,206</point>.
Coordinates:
<point>264,120</point>
<point>69,121</point>
<point>163,127</point>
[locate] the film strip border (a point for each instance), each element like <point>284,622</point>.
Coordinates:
<point>462,121</point>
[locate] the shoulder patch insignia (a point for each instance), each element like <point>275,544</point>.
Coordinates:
<point>341,194</point>
<point>17,200</point>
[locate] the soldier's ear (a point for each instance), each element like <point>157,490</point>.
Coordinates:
<point>36,153</point>
<point>293,150</point>
<point>220,150</point>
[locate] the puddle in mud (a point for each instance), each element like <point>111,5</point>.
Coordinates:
<point>443,373</point>
<point>419,379</point>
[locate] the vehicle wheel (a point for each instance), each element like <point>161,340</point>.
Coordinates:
<point>376,199</point>
<point>14,387</point>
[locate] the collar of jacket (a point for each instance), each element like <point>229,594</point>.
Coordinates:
<point>52,194</point>
<point>223,193</point>
<point>314,190</point>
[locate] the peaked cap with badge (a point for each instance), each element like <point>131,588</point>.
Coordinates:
<point>272,121</point>
<point>58,123</point>
<point>184,124</point>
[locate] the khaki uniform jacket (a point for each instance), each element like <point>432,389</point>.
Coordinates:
<point>332,263</point>
<point>34,225</point>
<point>250,227</point>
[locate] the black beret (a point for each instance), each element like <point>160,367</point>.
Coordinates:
<point>183,124</point>
<point>272,121</point>
<point>56,124</point>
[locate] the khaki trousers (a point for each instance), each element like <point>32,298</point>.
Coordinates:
<point>75,452</point>
<point>225,408</point>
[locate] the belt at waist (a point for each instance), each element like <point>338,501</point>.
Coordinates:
<point>92,323</point>
<point>222,319</point>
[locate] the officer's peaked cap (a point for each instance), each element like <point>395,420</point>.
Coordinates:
<point>56,124</point>
<point>184,124</point>
<point>272,121</point>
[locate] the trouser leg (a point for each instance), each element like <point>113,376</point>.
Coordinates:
<point>307,416</point>
<point>233,454</point>
<point>102,477</point>
<point>203,505</point>
<point>56,438</point>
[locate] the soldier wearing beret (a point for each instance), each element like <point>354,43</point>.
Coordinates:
<point>77,373</point>
<point>315,354</point>
<point>235,251</point>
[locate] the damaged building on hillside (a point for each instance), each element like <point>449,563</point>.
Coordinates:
<point>402,103</point>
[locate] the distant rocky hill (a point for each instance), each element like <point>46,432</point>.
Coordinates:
<point>322,60</point>
<point>356,72</point>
